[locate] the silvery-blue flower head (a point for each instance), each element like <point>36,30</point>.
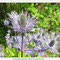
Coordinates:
<point>21,22</point>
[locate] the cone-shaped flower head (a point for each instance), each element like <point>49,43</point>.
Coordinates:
<point>21,22</point>
<point>52,43</point>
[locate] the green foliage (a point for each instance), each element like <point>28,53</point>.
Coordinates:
<point>28,55</point>
<point>24,55</point>
<point>10,52</point>
<point>51,54</point>
<point>19,54</point>
<point>32,44</point>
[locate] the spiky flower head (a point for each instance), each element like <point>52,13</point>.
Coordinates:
<point>21,22</point>
<point>40,42</point>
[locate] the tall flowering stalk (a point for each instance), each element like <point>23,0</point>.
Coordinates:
<point>21,23</point>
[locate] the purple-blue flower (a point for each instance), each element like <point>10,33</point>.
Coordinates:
<point>21,22</point>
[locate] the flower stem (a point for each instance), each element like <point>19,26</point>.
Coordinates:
<point>22,46</point>
<point>16,41</point>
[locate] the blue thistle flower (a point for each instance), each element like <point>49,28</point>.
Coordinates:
<point>21,22</point>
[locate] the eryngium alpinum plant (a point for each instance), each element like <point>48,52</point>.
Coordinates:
<point>29,43</point>
<point>20,22</point>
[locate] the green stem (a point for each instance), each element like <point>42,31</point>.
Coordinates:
<point>22,46</point>
<point>16,41</point>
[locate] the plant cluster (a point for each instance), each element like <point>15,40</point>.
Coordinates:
<point>34,44</point>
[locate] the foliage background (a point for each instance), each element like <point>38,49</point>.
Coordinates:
<point>48,16</point>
